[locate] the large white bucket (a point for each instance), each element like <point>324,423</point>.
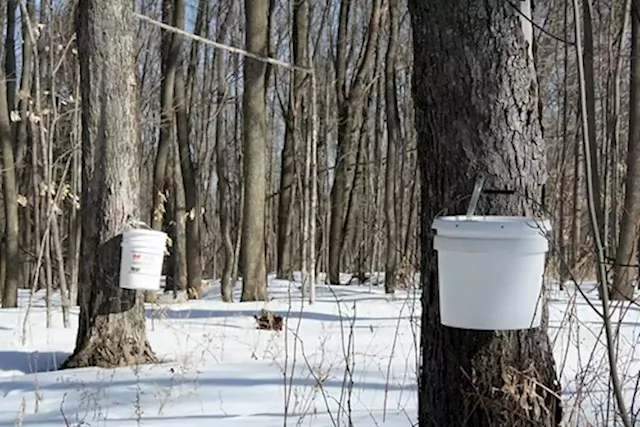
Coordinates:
<point>490,271</point>
<point>142,258</point>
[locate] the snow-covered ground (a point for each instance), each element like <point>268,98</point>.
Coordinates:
<point>221,369</point>
<point>352,355</point>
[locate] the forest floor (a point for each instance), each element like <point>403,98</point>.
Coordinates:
<point>350,356</point>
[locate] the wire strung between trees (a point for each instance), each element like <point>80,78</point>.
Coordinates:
<point>310,217</point>
<point>222,46</point>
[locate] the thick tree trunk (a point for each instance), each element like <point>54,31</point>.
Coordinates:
<point>252,249</point>
<point>11,256</point>
<point>194,263</point>
<point>393,132</point>
<point>624,277</point>
<point>477,114</point>
<point>10,192</point>
<point>111,330</point>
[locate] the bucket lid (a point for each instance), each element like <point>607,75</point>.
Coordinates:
<point>143,232</point>
<point>506,226</point>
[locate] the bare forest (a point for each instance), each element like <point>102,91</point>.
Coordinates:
<point>318,138</point>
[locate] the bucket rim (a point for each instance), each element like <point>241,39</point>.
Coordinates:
<point>492,223</point>
<point>143,232</point>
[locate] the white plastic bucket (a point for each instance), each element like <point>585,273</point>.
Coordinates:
<point>141,259</point>
<point>490,271</point>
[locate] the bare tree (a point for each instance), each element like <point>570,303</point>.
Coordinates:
<point>300,36</point>
<point>350,107</point>
<point>478,114</point>
<point>11,238</point>
<point>194,263</point>
<point>170,53</point>
<point>624,276</point>
<point>394,135</point>
<point>252,249</point>
<point>111,330</point>
<point>590,88</point>
<point>223,169</point>
<point>10,54</point>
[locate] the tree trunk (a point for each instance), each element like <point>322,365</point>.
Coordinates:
<point>624,277</point>
<point>202,16</point>
<point>393,139</point>
<point>223,160</point>
<point>75,222</point>
<point>614,129</point>
<point>11,256</point>
<point>25,87</point>
<point>31,236</point>
<point>564,267</point>
<point>10,192</point>
<point>111,329</point>
<point>349,116</point>
<point>10,54</point>
<point>590,87</point>
<point>179,215</point>
<point>477,114</point>
<point>194,263</point>
<point>252,249</point>
<point>170,51</point>
<point>293,133</point>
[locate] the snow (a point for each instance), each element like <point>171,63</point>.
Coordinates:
<point>218,367</point>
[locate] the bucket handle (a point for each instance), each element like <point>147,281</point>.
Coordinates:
<point>475,196</point>
<point>136,224</point>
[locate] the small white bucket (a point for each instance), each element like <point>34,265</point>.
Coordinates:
<point>141,259</point>
<point>490,271</point>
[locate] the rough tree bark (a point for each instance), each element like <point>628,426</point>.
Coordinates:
<point>11,256</point>
<point>476,102</point>
<point>252,247</point>
<point>194,263</point>
<point>624,277</point>
<point>111,329</point>
<point>293,131</point>
<point>393,139</point>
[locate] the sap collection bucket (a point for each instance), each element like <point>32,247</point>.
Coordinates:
<point>141,259</point>
<point>490,271</point>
